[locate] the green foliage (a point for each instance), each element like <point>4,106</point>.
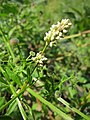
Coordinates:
<point>60,87</point>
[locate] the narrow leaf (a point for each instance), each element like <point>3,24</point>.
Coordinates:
<point>13,76</point>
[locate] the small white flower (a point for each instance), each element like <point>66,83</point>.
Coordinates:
<point>58,23</point>
<point>39,58</point>
<point>60,34</point>
<point>65,31</point>
<point>53,26</point>
<point>52,38</point>
<point>45,38</point>
<point>58,37</point>
<point>57,32</point>
<point>52,43</point>
<point>69,24</point>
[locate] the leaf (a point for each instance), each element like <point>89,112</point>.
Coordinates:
<point>11,107</point>
<point>13,76</point>
<point>5,117</point>
<point>9,8</point>
<point>3,15</point>
<point>23,113</point>
<point>50,105</point>
<point>2,80</point>
<point>70,14</point>
<point>87,11</point>
<point>11,31</point>
<point>72,92</point>
<point>2,100</point>
<point>87,86</point>
<point>4,74</point>
<point>78,12</point>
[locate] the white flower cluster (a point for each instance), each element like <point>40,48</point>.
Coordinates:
<point>57,31</point>
<point>39,58</point>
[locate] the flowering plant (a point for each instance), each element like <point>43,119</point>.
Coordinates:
<point>22,76</point>
<point>56,32</point>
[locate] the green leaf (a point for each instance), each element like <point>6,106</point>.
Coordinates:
<point>12,31</point>
<point>4,74</point>
<point>13,76</point>
<point>2,100</point>
<point>77,11</point>
<point>50,105</point>
<point>87,11</point>
<point>70,14</point>
<point>73,109</point>
<point>2,80</point>
<point>11,107</point>
<point>3,15</point>
<point>72,91</point>
<point>23,113</point>
<point>87,86</point>
<point>9,8</point>
<point>5,117</point>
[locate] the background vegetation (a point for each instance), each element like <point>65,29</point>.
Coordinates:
<point>62,84</point>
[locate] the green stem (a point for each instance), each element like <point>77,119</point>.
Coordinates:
<point>55,109</point>
<point>77,35</point>
<point>11,52</point>
<point>73,109</point>
<point>44,48</point>
<point>17,95</point>
<point>19,103</point>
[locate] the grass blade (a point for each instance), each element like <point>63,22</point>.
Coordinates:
<point>50,105</point>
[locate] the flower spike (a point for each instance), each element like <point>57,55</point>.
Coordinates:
<point>57,31</point>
